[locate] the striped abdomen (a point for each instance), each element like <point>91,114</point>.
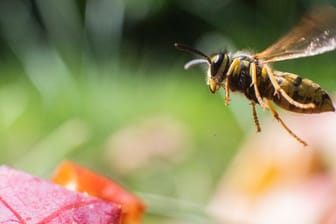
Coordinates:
<point>304,91</point>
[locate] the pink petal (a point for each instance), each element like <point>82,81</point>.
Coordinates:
<point>28,199</point>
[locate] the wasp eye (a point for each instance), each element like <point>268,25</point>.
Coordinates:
<point>216,62</point>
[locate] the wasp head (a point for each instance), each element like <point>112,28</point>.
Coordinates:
<point>217,66</point>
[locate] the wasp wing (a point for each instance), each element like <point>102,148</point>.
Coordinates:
<point>315,34</point>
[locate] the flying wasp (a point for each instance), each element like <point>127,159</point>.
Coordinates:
<point>252,75</point>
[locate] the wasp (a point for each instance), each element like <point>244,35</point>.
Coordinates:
<point>252,74</point>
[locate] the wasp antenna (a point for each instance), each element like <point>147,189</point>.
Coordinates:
<point>186,48</point>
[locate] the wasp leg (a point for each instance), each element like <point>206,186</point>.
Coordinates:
<point>234,68</point>
<point>253,72</point>
<point>277,117</point>
<point>255,117</point>
<point>279,91</point>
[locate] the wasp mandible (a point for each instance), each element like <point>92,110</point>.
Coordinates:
<point>252,75</point>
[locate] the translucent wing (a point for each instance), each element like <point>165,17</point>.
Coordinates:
<point>315,34</point>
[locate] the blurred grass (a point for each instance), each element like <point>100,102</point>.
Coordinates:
<point>107,105</point>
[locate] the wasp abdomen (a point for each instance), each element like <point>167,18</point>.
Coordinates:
<point>303,91</point>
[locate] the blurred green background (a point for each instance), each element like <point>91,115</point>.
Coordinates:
<point>100,83</point>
